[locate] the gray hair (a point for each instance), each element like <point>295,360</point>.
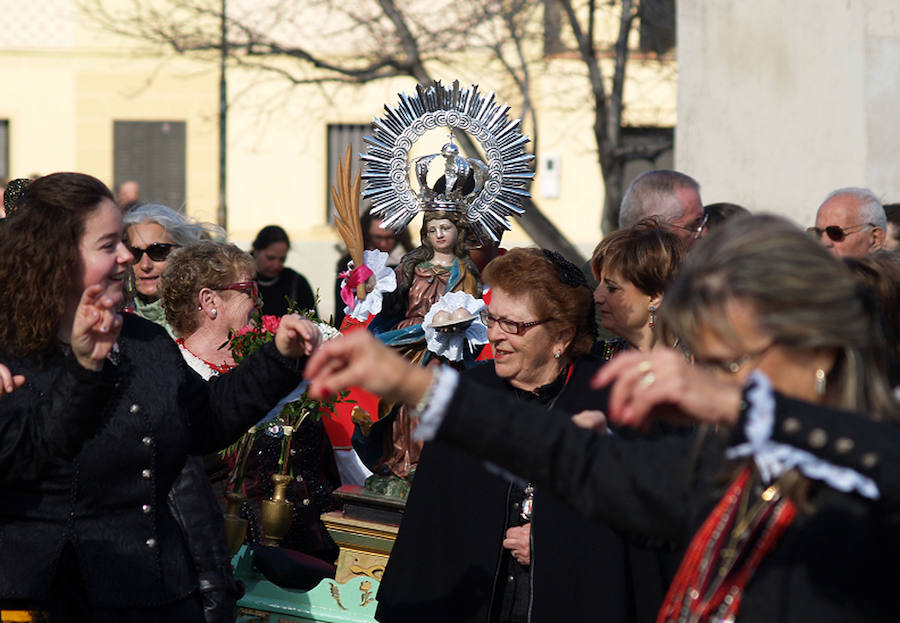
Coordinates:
<point>652,193</point>
<point>770,264</point>
<point>869,206</point>
<point>182,230</point>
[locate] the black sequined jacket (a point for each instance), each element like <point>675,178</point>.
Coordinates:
<point>88,458</point>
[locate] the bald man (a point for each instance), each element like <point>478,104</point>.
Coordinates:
<point>851,222</point>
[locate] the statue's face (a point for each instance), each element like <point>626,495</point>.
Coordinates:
<point>441,235</point>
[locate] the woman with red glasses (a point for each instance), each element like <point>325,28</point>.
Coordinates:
<point>478,546</point>
<point>208,292</point>
<point>152,232</point>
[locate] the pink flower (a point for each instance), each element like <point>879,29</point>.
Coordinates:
<point>270,323</point>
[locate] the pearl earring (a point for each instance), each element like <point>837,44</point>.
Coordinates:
<point>215,312</point>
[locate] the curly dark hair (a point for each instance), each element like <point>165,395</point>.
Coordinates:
<point>39,257</point>
<point>206,264</point>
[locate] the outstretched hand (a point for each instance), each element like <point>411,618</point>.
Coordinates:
<point>95,328</point>
<point>297,337</point>
<point>360,359</point>
<point>662,383</point>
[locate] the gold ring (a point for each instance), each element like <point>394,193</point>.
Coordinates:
<point>644,366</point>
<point>647,380</point>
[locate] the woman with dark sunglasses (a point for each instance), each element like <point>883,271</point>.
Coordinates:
<point>152,232</point>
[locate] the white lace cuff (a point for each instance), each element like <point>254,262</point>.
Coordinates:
<point>445,381</point>
<point>773,458</point>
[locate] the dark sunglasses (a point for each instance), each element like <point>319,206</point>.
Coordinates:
<point>250,288</point>
<point>158,251</point>
<point>509,326</point>
<point>835,233</point>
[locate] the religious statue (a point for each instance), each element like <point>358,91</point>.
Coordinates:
<point>438,287</point>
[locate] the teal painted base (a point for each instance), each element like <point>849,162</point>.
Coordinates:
<point>264,602</point>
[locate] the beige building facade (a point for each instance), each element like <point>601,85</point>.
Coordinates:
<point>781,102</point>
<point>79,98</point>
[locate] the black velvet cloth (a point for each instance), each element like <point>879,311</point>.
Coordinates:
<point>87,460</point>
<point>288,285</point>
<point>448,561</point>
<point>314,478</point>
<point>835,562</point>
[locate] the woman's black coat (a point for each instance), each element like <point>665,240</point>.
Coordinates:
<point>446,559</point>
<point>87,459</point>
<point>836,562</point>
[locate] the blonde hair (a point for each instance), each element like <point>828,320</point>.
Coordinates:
<point>205,264</point>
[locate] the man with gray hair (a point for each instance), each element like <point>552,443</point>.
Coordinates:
<point>851,222</point>
<point>670,196</point>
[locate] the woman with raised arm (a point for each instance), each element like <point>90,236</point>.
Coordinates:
<point>91,443</point>
<point>790,493</point>
<point>208,295</point>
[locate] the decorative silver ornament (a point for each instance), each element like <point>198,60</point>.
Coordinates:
<point>485,194</point>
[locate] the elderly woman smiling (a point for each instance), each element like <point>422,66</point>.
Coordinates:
<point>540,325</point>
<point>208,291</point>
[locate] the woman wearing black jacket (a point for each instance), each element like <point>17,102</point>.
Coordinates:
<point>477,546</point>
<point>790,502</point>
<point>91,443</point>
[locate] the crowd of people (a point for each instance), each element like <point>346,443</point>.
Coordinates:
<point>709,433</point>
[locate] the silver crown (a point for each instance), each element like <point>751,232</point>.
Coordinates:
<point>484,194</point>
<point>459,185</point>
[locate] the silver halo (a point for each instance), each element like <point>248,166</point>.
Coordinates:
<point>386,163</point>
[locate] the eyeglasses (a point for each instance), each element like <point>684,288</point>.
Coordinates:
<point>837,234</point>
<point>158,251</point>
<point>509,326</point>
<point>250,288</point>
<point>696,228</point>
<point>730,366</point>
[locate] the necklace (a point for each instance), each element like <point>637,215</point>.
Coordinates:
<point>528,500</point>
<point>611,348</point>
<point>725,552</point>
<point>221,369</point>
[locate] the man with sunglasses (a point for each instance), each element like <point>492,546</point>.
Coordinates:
<point>670,196</point>
<point>851,222</point>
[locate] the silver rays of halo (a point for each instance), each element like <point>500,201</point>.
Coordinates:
<point>386,163</point>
